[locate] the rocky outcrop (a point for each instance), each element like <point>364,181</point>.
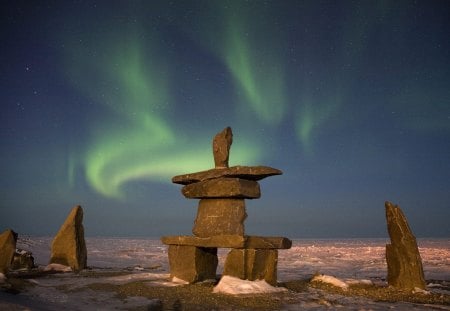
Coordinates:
<point>23,260</point>
<point>402,255</point>
<point>8,241</point>
<point>69,247</point>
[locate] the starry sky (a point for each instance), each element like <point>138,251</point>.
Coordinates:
<point>102,102</point>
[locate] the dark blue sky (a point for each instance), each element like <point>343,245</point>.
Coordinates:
<point>104,101</point>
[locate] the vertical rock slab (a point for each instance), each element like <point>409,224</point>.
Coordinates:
<point>252,264</point>
<point>220,217</point>
<point>403,259</point>
<point>8,241</point>
<point>192,264</point>
<point>69,247</point>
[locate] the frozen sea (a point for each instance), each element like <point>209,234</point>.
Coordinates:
<point>146,259</point>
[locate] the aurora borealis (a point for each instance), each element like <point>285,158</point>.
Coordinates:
<point>104,101</point>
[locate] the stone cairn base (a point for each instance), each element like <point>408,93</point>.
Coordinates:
<point>220,223</point>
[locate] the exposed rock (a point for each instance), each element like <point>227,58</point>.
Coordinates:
<point>23,260</point>
<point>219,217</point>
<point>69,247</point>
<point>221,147</point>
<point>252,264</point>
<point>402,255</point>
<point>229,241</point>
<point>192,264</point>
<point>8,241</point>
<point>244,172</point>
<point>223,188</point>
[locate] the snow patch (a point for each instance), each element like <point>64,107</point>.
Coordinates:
<point>328,279</point>
<point>358,282</point>
<point>234,286</point>
<point>179,281</point>
<point>58,268</point>
<point>418,290</point>
<point>138,277</point>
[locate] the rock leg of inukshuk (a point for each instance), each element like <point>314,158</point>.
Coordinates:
<point>69,247</point>
<point>252,264</point>
<point>8,241</point>
<point>402,255</point>
<point>192,264</point>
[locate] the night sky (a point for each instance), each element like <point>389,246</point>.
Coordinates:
<point>102,102</point>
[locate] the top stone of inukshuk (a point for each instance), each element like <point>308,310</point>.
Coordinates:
<point>221,147</point>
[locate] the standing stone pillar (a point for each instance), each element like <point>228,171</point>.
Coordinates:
<point>8,241</point>
<point>402,255</point>
<point>68,246</point>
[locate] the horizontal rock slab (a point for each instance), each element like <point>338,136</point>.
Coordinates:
<point>230,241</point>
<point>219,217</point>
<point>222,188</point>
<point>260,242</point>
<point>244,172</point>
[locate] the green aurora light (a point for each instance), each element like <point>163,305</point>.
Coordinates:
<point>135,140</point>
<point>257,74</point>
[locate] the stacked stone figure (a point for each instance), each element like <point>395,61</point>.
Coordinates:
<point>220,222</point>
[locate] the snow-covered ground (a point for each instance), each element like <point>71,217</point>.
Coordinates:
<point>349,260</point>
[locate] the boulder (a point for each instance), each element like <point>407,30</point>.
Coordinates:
<point>219,217</point>
<point>223,188</point>
<point>8,241</point>
<point>69,247</point>
<point>221,147</point>
<point>23,260</point>
<point>403,259</point>
<point>252,264</point>
<point>192,264</point>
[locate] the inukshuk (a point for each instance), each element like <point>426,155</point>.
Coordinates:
<point>220,222</point>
